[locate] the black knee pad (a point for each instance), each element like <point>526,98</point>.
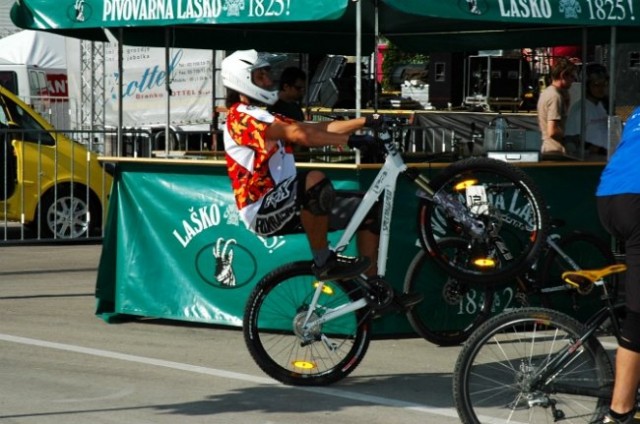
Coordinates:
<point>319,199</point>
<point>630,334</point>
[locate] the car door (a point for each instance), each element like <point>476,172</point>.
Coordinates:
<point>7,161</point>
<point>31,158</point>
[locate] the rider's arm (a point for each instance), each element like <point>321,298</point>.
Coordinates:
<point>341,127</point>
<point>305,134</point>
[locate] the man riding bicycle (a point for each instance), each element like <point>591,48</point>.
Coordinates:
<point>272,196</point>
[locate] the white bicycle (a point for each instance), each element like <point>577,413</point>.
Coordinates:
<point>302,331</point>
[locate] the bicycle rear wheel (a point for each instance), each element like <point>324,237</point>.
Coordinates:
<point>273,331</point>
<point>451,309</point>
<point>497,374</point>
<point>504,200</point>
<point>587,252</point>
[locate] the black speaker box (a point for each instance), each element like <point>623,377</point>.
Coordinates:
<point>446,79</point>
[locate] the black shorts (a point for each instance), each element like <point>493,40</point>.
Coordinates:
<point>620,215</point>
<point>280,210</point>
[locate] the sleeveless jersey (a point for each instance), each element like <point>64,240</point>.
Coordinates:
<point>254,170</point>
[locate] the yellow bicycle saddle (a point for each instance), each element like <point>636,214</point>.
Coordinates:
<point>579,279</point>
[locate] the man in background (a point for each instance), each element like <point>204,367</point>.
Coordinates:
<point>595,114</point>
<point>292,88</point>
<point>553,107</point>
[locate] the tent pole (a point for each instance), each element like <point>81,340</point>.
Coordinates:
<point>376,39</point>
<point>358,57</point>
<point>358,65</point>
<point>167,82</point>
<point>120,89</point>
<point>612,68</point>
<point>612,89</point>
<point>583,95</point>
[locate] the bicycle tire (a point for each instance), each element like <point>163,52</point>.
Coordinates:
<point>492,378</point>
<point>278,302</point>
<point>439,319</point>
<point>513,207</point>
<point>588,252</point>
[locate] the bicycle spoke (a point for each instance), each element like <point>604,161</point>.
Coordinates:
<point>496,209</point>
<point>286,338</point>
<point>510,371</point>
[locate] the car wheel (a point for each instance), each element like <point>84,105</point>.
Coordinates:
<point>66,215</point>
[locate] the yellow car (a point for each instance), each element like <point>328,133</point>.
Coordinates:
<point>48,182</point>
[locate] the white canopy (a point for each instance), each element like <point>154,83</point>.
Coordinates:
<point>38,48</point>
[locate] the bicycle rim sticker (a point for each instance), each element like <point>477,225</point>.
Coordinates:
<point>477,199</point>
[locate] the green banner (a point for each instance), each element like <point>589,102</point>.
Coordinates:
<point>72,14</point>
<point>181,250</point>
<point>562,12</point>
<point>175,247</point>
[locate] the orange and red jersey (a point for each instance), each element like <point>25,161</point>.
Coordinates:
<point>254,169</point>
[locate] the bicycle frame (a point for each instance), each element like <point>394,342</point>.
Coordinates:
<point>385,182</point>
<point>550,241</point>
<point>546,375</point>
<point>526,281</point>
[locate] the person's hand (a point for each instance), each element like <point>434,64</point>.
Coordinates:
<point>375,121</point>
<point>361,142</point>
<point>370,150</point>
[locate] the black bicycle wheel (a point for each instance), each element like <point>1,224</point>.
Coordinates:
<point>509,214</point>
<point>497,375</point>
<point>587,252</point>
<point>451,309</point>
<point>274,334</point>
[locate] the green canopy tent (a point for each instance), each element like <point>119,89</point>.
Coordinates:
<point>308,26</point>
<point>329,26</point>
<point>340,26</point>
<point>209,24</point>
<point>465,25</point>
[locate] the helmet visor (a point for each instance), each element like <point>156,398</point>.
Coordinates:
<point>267,60</point>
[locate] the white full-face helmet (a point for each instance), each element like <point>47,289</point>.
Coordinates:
<point>236,74</point>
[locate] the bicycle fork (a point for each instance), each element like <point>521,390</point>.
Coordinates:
<point>467,215</point>
<point>453,208</point>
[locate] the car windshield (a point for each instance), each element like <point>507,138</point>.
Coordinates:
<point>31,130</point>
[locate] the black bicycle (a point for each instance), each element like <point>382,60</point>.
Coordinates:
<point>537,365</point>
<point>307,332</point>
<point>452,308</point>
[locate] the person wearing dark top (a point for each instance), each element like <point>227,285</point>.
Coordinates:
<point>290,93</point>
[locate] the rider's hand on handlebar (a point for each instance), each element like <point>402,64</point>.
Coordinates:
<point>371,150</point>
<point>364,143</point>
<point>375,121</point>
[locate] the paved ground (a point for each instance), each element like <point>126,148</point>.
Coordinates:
<point>61,364</point>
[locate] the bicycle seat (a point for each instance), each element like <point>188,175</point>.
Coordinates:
<point>585,277</point>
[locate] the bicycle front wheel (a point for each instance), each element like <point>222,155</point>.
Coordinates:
<point>478,193</point>
<point>451,308</point>
<point>286,349</point>
<point>586,251</point>
<point>525,366</point>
